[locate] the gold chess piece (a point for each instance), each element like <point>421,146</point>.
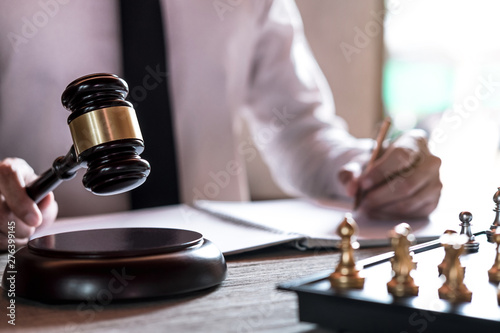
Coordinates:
<point>494,271</point>
<point>402,283</point>
<point>498,295</point>
<point>346,276</point>
<point>444,263</point>
<point>454,289</point>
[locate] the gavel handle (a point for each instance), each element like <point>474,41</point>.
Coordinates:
<point>63,168</point>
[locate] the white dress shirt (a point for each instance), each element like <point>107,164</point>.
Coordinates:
<point>226,59</point>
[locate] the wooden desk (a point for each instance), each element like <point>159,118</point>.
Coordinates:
<point>247,301</point>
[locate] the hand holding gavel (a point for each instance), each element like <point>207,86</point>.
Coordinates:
<point>106,140</point>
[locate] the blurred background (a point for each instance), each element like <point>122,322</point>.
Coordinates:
<point>429,64</point>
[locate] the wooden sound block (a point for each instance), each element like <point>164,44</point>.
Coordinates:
<point>115,264</point>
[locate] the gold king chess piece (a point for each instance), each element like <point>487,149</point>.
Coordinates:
<point>454,289</point>
<point>402,283</point>
<point>346,276</point>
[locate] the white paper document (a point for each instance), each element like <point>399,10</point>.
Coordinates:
<point>315,222</point>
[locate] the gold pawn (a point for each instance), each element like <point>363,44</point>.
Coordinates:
<point>494,271</point>
<point>402,283</point>
<point>346,276</point>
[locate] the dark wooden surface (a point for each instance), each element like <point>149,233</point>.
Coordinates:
<point>247,301</point>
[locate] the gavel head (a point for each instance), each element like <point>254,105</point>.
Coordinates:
<point>106,134</point>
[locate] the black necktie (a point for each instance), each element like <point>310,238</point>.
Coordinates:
<point>145,70</point>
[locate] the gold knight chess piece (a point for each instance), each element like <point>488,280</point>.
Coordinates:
<point>402,283</point>
<point>454,289</point>
<point>346,276</point>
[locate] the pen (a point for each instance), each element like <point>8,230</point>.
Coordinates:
<point>382,133</point>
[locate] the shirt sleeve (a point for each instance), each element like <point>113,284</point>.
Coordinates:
<point>292,110</point>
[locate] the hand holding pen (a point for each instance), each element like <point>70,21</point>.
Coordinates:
<point>400,180</point>
<point>376,152</point>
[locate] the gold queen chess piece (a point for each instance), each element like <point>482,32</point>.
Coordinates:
<point>346,276</point>
<point>402,283</point>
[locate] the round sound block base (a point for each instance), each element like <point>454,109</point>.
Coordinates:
<point>124,264</point>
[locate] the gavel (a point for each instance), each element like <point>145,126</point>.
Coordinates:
<point>107,139</point>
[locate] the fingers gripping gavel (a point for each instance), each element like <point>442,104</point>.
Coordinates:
<point>106,139</point>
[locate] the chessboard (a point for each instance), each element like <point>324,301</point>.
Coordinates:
<point>374,309</point>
